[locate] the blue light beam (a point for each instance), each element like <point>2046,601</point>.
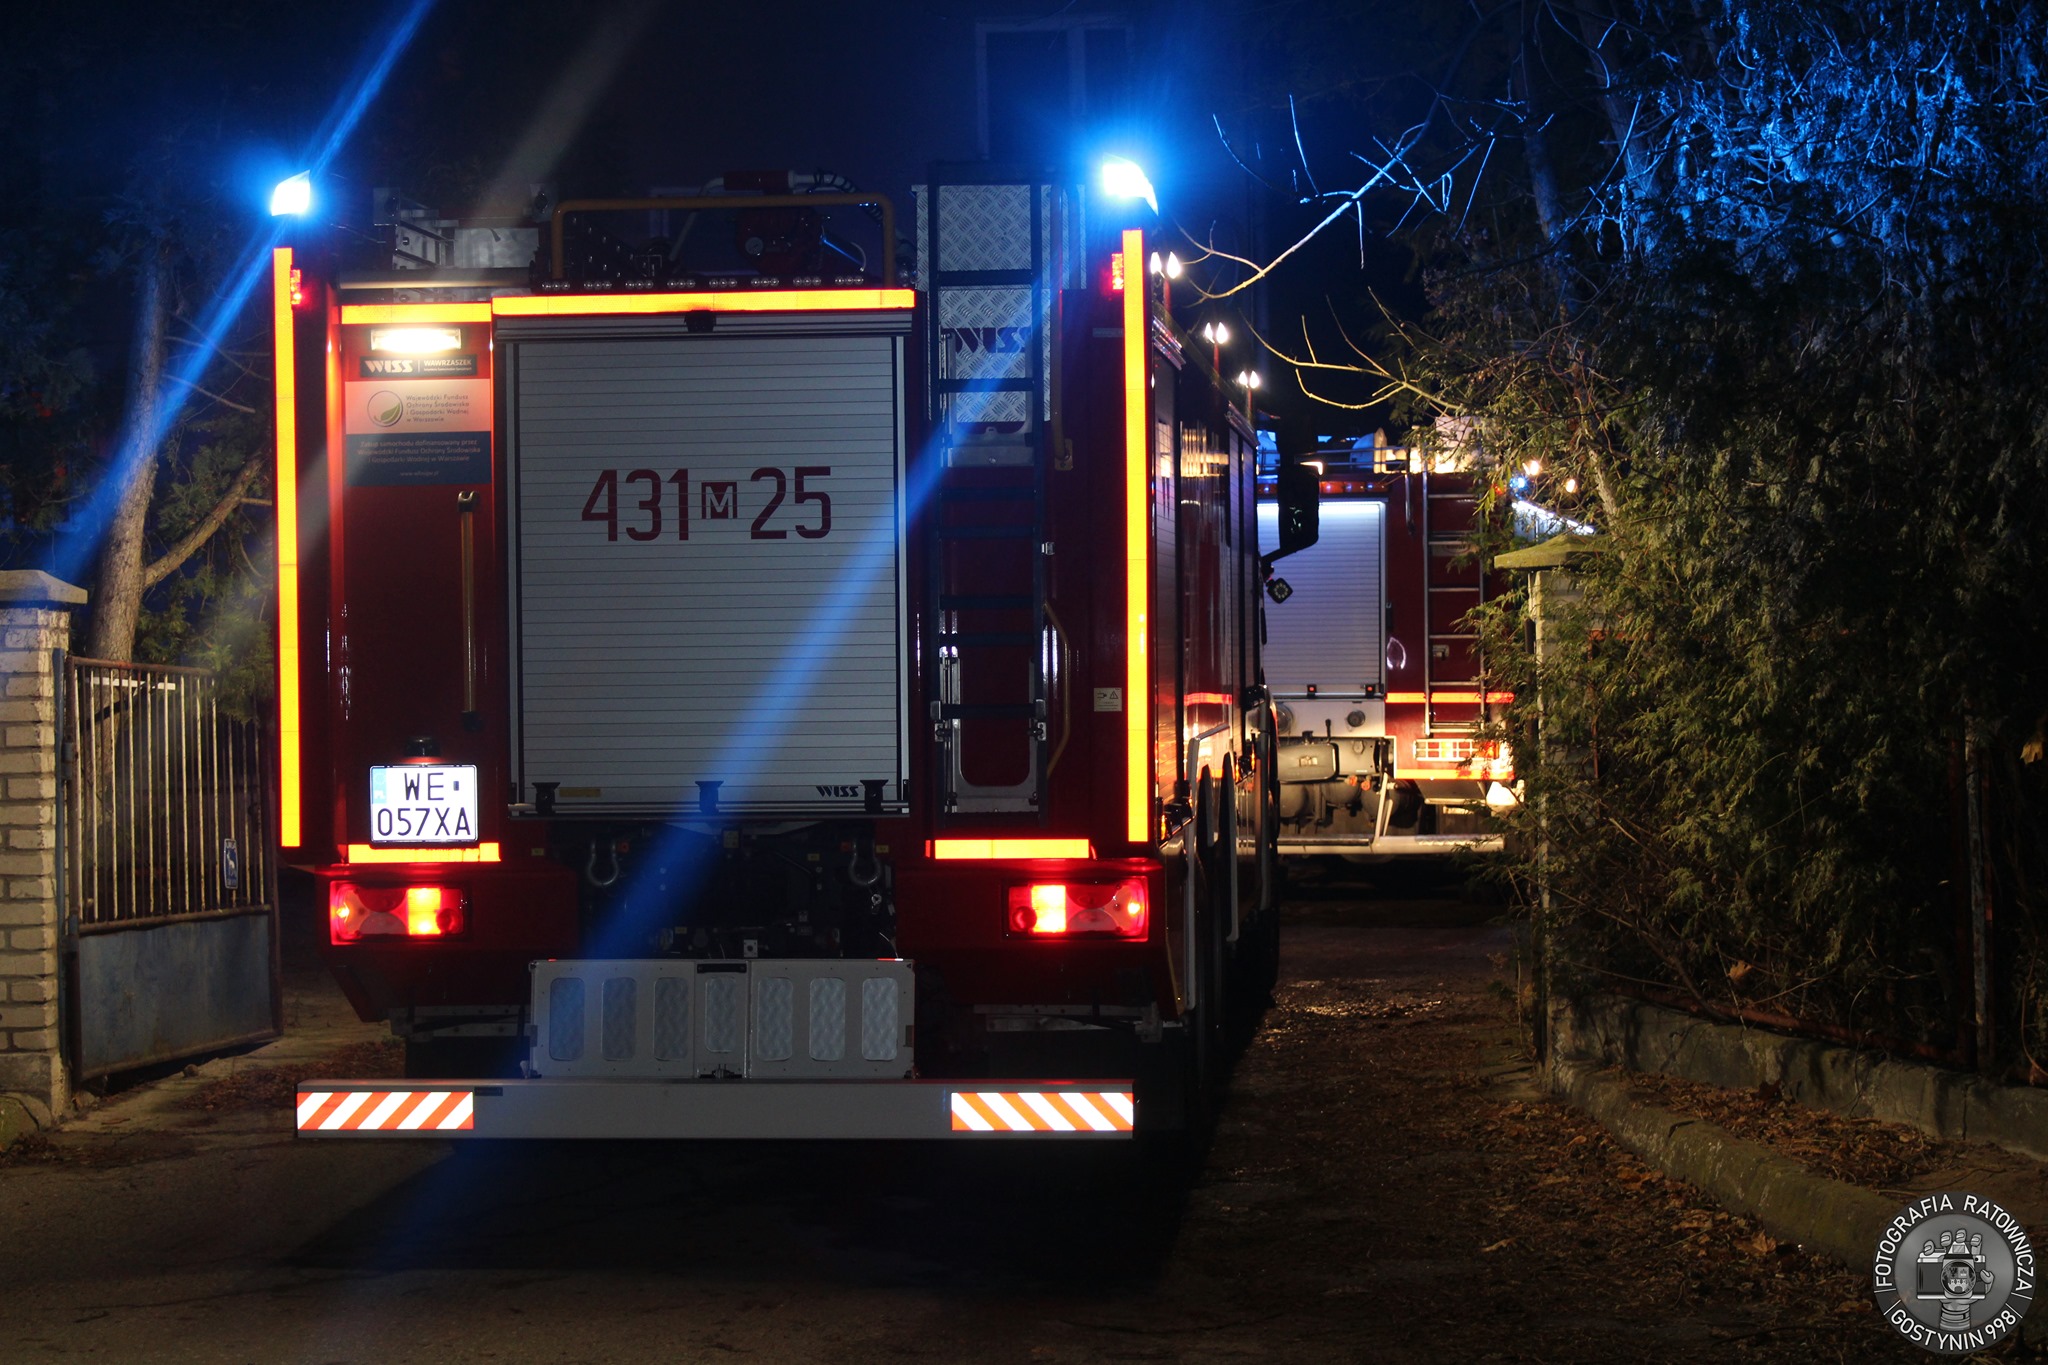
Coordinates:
<point>679,847</point>
<point>146,423</point>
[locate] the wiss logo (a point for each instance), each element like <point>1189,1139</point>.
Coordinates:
<point>824,790</point>
<point>994,340</point>
<point>375,368</point>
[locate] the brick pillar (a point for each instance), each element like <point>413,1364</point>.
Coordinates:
<point>35,621</point>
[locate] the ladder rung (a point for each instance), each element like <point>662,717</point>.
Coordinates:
<point>985,385</point>
<point>987,710</point>
<point>988,637</point>
<point>984,601</point>
<point>983,493</point>
<point>984,279</point>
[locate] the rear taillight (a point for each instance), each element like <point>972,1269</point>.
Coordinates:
<point>356,912</point>
<point>1079,909</point>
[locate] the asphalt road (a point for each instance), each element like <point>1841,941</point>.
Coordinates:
<point>1362,1199</point>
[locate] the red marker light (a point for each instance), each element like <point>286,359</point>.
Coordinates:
<point>1079,909</point>
<point>356,912</point>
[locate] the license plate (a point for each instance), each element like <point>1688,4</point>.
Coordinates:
<point>423,803</point>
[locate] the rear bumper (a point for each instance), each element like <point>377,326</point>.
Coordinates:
<point>750,1109</point>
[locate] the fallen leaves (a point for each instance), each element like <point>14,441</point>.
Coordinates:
<point>1864,1152</point>
<point>265,1087</point>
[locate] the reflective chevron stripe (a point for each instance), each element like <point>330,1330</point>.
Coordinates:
<point>1041,1111</point>
<point>386,1111</point>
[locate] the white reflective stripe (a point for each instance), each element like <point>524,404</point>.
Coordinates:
<point>1012,1120</point>
<point>965,1113</point>
<point>310,1104</point>
<point>383,1110</point>
<point>427,1105</point>
<point>1047,1112</point>
<point>1085,1105</point>
<point>1119,1100</point>
<point>459,1115</point>
<point>344,1109</point>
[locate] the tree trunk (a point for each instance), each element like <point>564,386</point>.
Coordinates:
<point>117,591</point>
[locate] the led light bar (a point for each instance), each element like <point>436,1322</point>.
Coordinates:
<point>482,853</point>
<point>290,799</point>
<point>1137,558</point>
<point>982,850</point>
<point>765,301</point>
<point>407,314</point>
<point>416,340</point>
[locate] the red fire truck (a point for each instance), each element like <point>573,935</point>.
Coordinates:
<point>1375,669</point>
<point>764,699</point>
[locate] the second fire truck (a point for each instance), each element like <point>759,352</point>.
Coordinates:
<point>1384,717</point>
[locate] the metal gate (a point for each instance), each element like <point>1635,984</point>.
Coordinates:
<point>169,875</point>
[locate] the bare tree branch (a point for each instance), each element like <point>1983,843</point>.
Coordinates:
<point>170,561</point>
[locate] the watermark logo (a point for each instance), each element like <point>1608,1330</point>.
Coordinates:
<point>1954,1273</point>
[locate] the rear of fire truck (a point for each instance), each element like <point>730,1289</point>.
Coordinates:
<point>728,700</point>
<point>1375,666</point>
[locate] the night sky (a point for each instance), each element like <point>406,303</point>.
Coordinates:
<point>622,96</point>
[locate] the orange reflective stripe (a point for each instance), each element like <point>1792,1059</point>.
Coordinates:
<point>386,1111</point>
<point>986,1114</point>
<point>328,1104</point>
<point>1084,1113</point>
<point>1041,1111</point>
<point>441,1110</point>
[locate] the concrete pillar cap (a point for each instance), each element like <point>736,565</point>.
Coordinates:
<point>33,588</point>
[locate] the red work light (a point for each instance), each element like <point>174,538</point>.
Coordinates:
<point>1079,909</point>
<point>356,912</point>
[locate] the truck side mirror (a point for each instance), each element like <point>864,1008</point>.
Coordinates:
<point>1299,487</point>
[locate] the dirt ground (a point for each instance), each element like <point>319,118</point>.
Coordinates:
<point>1383,1185</point>
<point>1385,1151</point>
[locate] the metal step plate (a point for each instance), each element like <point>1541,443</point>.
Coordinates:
<point>784,1019</point>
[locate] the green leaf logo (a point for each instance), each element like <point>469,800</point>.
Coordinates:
<point>386,408</point>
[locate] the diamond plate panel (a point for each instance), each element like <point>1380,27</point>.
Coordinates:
<point>879,1021</point>
<point>565,1018</point>
<point>988,227</point>
<point>619,1000</point>
<point>827,1019</point>
<point>984,227</point>
<point>774,1018</point>
<point>672,1019</point>
<point>722,1016</point>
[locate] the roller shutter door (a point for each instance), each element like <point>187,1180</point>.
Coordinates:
<point>1330,633</point>
<point>707,563</point>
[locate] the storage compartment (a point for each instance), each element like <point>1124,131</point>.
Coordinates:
<point>707,560</point>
